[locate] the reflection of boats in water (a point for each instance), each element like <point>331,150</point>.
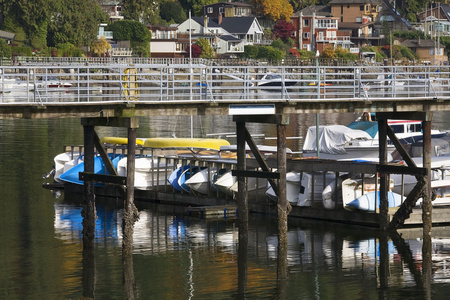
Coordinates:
<point>50,81</point>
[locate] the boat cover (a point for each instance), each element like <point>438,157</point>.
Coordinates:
<point>368,126</point>
<point>332,138</point>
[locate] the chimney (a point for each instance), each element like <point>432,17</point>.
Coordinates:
<point>205,24</point>
<point>220,18</point>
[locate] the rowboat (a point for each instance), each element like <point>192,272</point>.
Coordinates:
<point>371,201</point>
<point>119,140</point>
<point>72,175</point>
<point>202,181</point>
<point>292,188</point>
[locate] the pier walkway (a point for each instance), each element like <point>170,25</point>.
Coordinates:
<point>95,89</point>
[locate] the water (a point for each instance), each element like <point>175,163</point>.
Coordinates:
<point>180,257</point>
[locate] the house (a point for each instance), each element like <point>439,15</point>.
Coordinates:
<point>428,51</point>
<point>356,11</point>
<point>7,36</point>
<point>316,29</point>
<point>227,35</point>
<point>435,20</point>
<point>391,17</point>
<point>166,42</point>
<point>227,9</point>
<point>358,16</point>
<point>112,8</point>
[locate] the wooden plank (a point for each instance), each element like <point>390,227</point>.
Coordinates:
<point>267,119</point>
<point>404,115</point>
<point>256,174</point>
<point>103,178</point>
<point>104,155</point>
<point>131,122</point>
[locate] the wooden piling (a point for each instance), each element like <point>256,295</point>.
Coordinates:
<point>384,178</point>
<point>426,203</point>
<point>88,212</point>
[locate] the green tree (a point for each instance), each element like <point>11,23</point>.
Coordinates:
<point>5,49</point>
<point>172,11</point>
<point>76,23</point>
<point>207,50</point>
<point>135,32</point>
<point>274,9</point>
<point>144,11</point>
<point>250,51</point>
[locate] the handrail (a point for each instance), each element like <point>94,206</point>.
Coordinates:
<point>204,82</point>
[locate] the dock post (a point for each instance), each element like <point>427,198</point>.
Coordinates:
<point>283,209</point>
<point>384,178</point>
<point>130,214</point>
<point>89,213</point>
<point>283,205</point>
<point>427,206</point>
<point>242,200</point>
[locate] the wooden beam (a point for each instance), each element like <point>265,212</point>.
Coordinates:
<point>131,122</point>
<point>267,119</point>
<point>401,150</point>
<point>102,151</point>
<point>256,174</point>
<point>103,178</point>
<point>405,115</point>
<point>384,178</point>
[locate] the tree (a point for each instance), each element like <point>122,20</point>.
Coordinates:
<point>76,23</point>
<point>195,50</point>
<point>135,32</point>
<point>196,6</point>
<point>274,9</point>
<point>207,50</point>
<point>300,4</point>
<point>100,47</point>
<point>172,11</point>
<point>5,49</point>
<point>144,11</point>
<point>328,52</point>
<point>283,29</point>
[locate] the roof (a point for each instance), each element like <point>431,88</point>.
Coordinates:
<point>320,10</point>
<point>353,25</point>
<point>229,38</point>
<point>230,24</point>
<point>230,4</point>
<point>7,35</point>
<point>420,43</point>
<point>378,2</point>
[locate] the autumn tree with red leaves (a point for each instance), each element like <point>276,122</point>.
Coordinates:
<point>283,30</point>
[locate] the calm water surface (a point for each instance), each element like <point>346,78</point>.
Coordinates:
<point>181,257</point>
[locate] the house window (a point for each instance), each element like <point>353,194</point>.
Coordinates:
<point>358,20</point>
<point>220,10</point>
<point>342,9</point>
<point>306,35</point>
<point>210,10</point>
<point>342,18</point>
<point>361,7</point>
<point>306,22</point>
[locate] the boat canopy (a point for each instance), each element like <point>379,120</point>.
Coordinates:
<point>368,126</point>
<point>333,138</point>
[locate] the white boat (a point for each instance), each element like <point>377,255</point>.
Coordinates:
<point>340,142</point>
<point>292,188</point>
<point>51,82</point>
<point>64,162</point>
<point>371,201</point>
<point>440,180</point>
<point>407,131</point>
<point>202,181</point>
<point>274,80</point>
<point>146,171</point>
<point>353,188</point>
<point>312,187</point>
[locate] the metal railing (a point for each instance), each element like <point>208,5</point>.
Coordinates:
<point>209,83</point>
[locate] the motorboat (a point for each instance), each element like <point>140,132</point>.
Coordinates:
<point>50,81</point>
<point>339,142</point>
<point>202,181</point>
<point>274,80</point>
<point>292,188</point>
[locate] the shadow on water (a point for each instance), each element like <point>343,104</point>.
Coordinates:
<point>212,258</point>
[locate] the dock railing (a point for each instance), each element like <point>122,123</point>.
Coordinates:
<point>124,82</point>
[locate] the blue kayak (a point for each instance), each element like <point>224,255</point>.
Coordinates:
<point>72,175</point>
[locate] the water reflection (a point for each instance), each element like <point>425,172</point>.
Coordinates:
<point>356,259</point>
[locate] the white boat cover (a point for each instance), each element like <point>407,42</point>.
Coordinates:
<point>332,138</point>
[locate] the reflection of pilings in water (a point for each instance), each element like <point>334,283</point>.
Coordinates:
<point>407,256</point>
<point>427,264</point>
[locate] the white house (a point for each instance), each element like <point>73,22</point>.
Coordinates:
<point>228,36</point>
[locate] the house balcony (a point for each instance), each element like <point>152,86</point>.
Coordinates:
<point>333,39</point>
<point>120,52</point>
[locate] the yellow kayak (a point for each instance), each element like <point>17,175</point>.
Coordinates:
<point>119,140</point>
<point>185,143</point>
